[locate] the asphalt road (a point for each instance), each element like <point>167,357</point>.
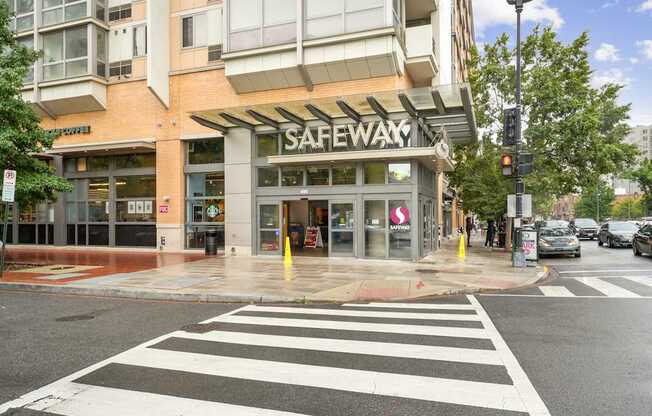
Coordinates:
<point>579,345</point>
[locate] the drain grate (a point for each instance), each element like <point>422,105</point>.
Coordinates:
<point>431,271</point>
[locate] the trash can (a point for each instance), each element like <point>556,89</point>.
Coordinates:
<point>210,243</point>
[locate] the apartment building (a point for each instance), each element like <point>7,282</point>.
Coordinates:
<point>331,123</point>
<point>641,137</point>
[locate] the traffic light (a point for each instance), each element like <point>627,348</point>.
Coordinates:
<point>507,165</point>
<point>510,124</point>
<point>525,163</point>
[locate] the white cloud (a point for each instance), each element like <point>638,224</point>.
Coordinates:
<point>607,53</point>
<point>645,48</point>
<point>645,6</point>
<point>611,3</point>
<point>614,76</point>
<point>633,60</point>
<point>489,13</point>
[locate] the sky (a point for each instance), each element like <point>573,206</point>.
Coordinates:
<point>621,39</point>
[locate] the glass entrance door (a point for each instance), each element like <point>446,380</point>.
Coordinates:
<point>269,230</point>
<point>342,229</point>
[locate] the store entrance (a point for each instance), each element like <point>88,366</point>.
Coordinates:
<point>306,224</point>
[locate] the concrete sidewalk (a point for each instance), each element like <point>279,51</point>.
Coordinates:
<point>265,279</point>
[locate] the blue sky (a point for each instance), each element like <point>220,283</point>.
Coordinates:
<point>621,39</point>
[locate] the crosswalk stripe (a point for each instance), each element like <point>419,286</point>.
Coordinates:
<point>106,401</point>
<point>644,280</point>
<point>461,355</point>
<point>343,312</point>
<point>413,305</point>
<point>607,288</point>
<point>356,326</point>
<point>604,271</point>
<point>558,291</point>
<point>470,393</point>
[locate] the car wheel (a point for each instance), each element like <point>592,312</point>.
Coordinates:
<point>600,242</point>
<point>637,252</point>
<point>610,242</point>
<point>592,238</point>
<point>578,254</point>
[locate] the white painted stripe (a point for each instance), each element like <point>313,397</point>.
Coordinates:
<point>605,271</point>
<point>531,399</point>
<point>607,288</point>
<point>538,296</point>
<point>357,326</point>
<point>104,401</point>
<point>413,305</point>
<point>644,280</point>
<point>470,393</point>
<point>558,291</point>
<point>372,314</point>
<point>62,389</point>
<point>424,352</point>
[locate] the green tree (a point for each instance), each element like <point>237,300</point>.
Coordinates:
<point>574,131</point>
<point>21,136</point>
<point>627,208</point>
<point>596,198</point>
<point>643,175</point>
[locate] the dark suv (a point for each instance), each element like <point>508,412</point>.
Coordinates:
<point>585,228</point>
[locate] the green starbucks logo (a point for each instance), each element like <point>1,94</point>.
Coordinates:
<point>212,211</point>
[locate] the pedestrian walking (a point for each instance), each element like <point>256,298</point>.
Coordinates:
<point>469,228</point>
<point>491,234</point>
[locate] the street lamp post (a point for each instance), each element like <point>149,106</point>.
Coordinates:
<point>518,178</point>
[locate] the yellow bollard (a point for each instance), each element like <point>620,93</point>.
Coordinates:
<point>287,260</point>
<point>461,248</point>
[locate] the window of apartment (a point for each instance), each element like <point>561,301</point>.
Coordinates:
<point>65,53</point>
<point>100,55</point>
<point>58,11</point>
<point>257,23</point>
<point>140,40</point>
<point>318,175</point>
<point>28,42</point>
<point>100,9</point>
<point>328,18</point>
<point>292,177</point>
<point>24,15</point>
<point>193,31</point>
<point>120,12</point>
<point>208,151</point>
<point>344,175</point>
<point>120,69</point>
<point>267,177</point>
<point>374,173</point>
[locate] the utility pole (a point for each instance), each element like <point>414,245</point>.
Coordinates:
<point>518,178</point>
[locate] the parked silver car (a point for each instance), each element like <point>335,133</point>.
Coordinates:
<point>559,241</point>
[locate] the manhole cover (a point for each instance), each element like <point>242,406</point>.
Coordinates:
<point>72,318</point>
<point>432,271</point>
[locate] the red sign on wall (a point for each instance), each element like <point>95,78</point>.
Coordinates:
<point>163,209</point>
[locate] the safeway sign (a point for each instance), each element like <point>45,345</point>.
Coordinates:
<point>9,186</point>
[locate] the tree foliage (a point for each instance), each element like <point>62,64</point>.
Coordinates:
<point>628,207</point>
<point>599,197</point>
<point>21,136</point>
<point>643,175</point>
<point>574,131</point>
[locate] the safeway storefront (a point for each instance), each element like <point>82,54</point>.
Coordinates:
<point>358,176</point>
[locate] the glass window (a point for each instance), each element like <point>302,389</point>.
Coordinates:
<point>267,145</point>
<point>76,43</point>
<point>100,56</point>
<point>205,184</point>
<point>145,160</point>
<point>207,151</point>
<point>92,164</point>
<point>400,236</point>
<point>318,175</point>
<point>374,224</point>
<point>24,6</point>
<point>135,235</point>
<point>193,30</point>
<point>245,16</point>
<point>206,211</point>
<point>292,177</point>
<point>399,172</point>
<point>267,177</point>
<point>28,42</point>
<point>344,175</point>
<point>53,47</point>
<point>269,229</point>
<point>328,18</point>
<point>135,187</point>
<point>98,189</point>
<point>274,19</point>
<point>98,211</point>
<point>65,53</point>
<point>374,173</point>
<point>342,228</point>
<point>140,41</point>
<point>58,11</point>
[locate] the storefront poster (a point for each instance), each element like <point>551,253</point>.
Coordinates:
<point>147,207</point>
<point>139,207</point>
<point>131,207</point>
<point>400,219</point>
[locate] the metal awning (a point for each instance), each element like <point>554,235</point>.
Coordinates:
<point>102,148</point>
<point>446,106</point>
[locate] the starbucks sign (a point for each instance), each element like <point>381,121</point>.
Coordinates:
<point>377,134</point>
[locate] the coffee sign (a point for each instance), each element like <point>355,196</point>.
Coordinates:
<point>376,134</point>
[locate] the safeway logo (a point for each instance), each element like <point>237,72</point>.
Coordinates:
<point>399,215</point>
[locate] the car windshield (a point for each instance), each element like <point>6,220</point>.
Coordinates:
<point>556,232</point>
<point>623,227</point>
<point>585,223</point>
<point>555,224</point>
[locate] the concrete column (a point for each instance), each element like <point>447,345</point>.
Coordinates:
<point>239,188</point>
<point>60,225</point>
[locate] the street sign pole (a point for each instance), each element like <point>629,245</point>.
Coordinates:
<point>4,239</point>
<point>8,194</point>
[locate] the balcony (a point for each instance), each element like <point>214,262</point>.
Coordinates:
<point>65,97</point>
<point>421,61</point>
